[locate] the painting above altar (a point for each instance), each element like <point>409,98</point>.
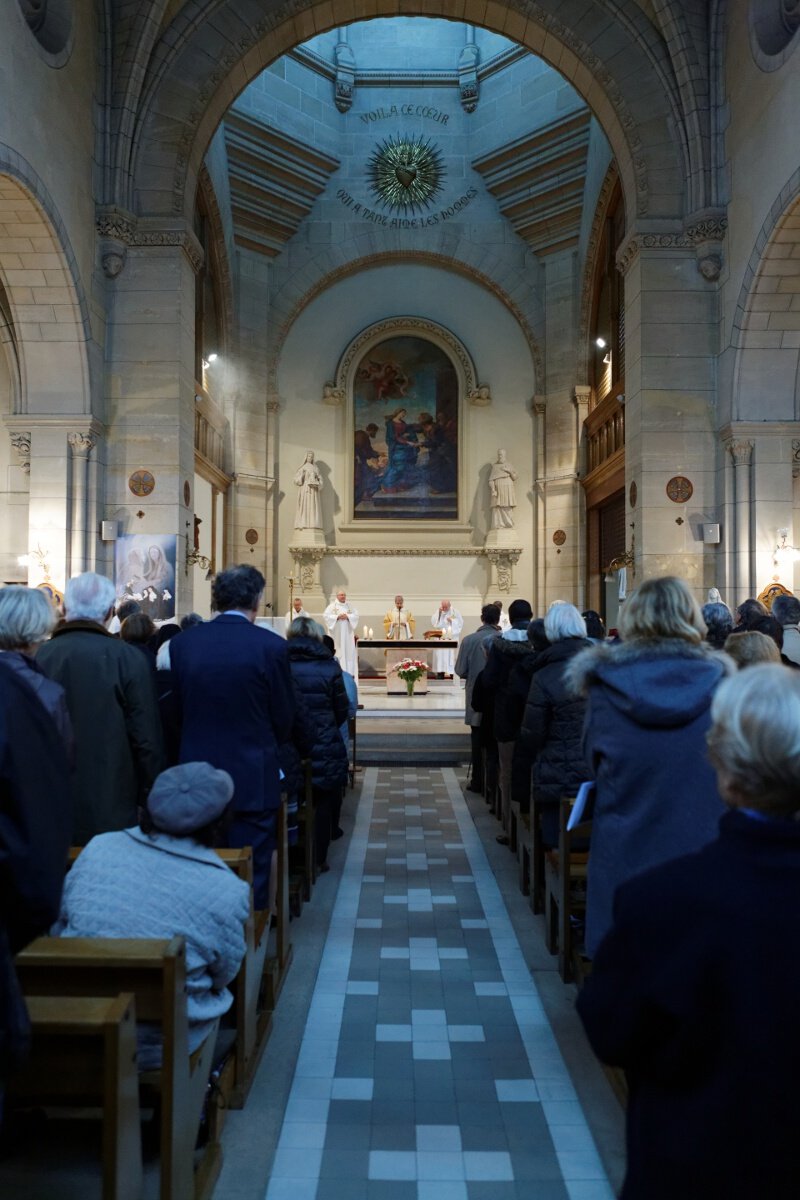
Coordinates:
<point>405,418</point>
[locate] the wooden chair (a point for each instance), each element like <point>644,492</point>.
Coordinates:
<point>565,895</point>
<point>154,971</point>
<point>83,1053</point>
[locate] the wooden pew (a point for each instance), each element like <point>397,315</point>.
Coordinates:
<point>83,1052</point>
<point>277,967</point>
<point>565,873</point>
<point>306,831</point>
<point>154,971</point>
<point>536,861</point>
<point>253,1020</point>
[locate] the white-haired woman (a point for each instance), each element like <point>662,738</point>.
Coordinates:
<point>27,618</point>
<point>112,703</point>
<point>552,727</point>
<point>649,701</point>
<point>692,991</point>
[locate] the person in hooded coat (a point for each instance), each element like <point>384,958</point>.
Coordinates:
<point>318,677</point>
<point>648,712</point>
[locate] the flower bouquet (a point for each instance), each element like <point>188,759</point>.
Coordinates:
<point>410,670</point>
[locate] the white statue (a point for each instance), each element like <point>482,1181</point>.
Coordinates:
<point>309,481</point>
<point>502,496</point>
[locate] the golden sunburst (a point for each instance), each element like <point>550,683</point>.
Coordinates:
<point>405,173</point>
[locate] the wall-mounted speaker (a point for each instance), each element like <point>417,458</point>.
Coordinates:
<point>109,531</point>
<point>711,535</point>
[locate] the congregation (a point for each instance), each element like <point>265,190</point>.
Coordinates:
<point>685,722</point>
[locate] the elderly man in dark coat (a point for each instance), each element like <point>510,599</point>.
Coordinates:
<point>112,704</point>
<point>235,702</point>
<point>470,662</point>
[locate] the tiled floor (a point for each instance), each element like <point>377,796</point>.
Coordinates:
<point>428,1070</point>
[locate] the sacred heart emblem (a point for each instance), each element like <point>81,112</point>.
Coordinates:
<point>405,174</point>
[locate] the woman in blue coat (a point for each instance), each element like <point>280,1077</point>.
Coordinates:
<point>649,700</point>
<point>318,677</point>
<point>693,991</point>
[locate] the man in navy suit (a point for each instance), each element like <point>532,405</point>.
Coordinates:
<point>235,703</point>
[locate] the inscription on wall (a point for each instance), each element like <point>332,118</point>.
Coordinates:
<point>369,214</point>
<point>426,111</point>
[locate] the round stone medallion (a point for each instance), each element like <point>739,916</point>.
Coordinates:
<point>559,537</point>
<point>680,489</point>
<point>251,537</point>
<point>141,483</point>
<point>633,493</point>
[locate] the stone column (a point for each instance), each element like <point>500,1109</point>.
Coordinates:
<point>81,445</point>
<point>670,388</point>
<point>742,453</point>
<point>540,501</point>
<point>151,389</point>
<point>582,395</point>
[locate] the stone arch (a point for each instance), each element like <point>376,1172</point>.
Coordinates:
<point>46,302</point>
<point>332,265</point>
<point>622,70</point>
<point>766,326</point>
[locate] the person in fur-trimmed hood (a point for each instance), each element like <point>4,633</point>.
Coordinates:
<point>648,711</point>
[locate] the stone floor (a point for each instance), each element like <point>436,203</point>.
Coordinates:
<point>424,1045</point>
<point>428,1069</point>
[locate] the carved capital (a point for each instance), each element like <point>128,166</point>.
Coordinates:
<point>503,561</point>
<point>332,395</point>
<point>118,229</point>
<point>81,444</point>
<point>741,451</point>
<point>795,458</point>
<point>582,396</point>
<point>480,397</point>
<point>306,562</point>
<point>21,441</point>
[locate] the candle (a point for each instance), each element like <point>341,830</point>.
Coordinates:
<point>371,635</point>
<point>366,632</point>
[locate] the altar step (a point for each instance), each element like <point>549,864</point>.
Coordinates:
<point>435,739</point>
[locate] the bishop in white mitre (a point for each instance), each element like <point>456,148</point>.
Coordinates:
<point>450,621</point>
<point>341,621</point>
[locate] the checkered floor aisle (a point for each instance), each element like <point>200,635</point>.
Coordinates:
<point>428,1070</point>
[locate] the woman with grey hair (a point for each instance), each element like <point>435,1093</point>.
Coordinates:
<point>649,701</point>
<point>689,992</point>
<point>719,623</point>
<point>27,618</point>
<point>552,727</point>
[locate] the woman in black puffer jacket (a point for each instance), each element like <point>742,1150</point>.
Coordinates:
<point>552,728</point>
<point>318,677</point>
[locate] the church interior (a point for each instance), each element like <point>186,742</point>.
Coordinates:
<point>477,299</point>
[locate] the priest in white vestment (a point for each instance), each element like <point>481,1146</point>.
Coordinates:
<point>341,621</point>
<point>450,621</point>
<point>295,611</point>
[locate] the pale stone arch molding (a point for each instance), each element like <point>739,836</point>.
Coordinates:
<point>196,71</point>
<point>45,297</point>
<point>339,391</point>
<point>590,266</point>
<point>291,299</point>
<point>765,333</point>
<point>205,185</point>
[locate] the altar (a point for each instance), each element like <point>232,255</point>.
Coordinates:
<point>418,648</point>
